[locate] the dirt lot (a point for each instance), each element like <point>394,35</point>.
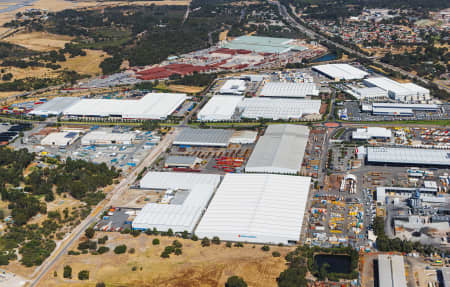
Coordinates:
<point>197,266</point>
<point>137,198</point>
<point>39,41</point>
<point>186,89</point>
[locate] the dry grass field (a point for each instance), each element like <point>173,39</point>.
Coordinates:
<point>39,41</point>
<point>89,64</point>
<point>197,266</point>
<point>185,89</point>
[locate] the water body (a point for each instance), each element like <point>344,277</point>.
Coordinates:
<point>338,263</point>
<point>14,5</point>
<point>324,58</point>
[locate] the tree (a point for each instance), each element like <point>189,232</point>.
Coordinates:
<point>177,244</point>
<point>100,284</point>
<point>178,251</point>
<point>265,248</point>
<point>276,254</point>
<point>155,241</point>
<point>194,237</point>
<point>83,275</point>
<point>67,272</point>
<point>131,250</point>
<point>215,240</point>
<point>228,244</point>
<point>205,242</point>
<point>90,232</point>
<point>120,249</point>
<point>235,281</point>
<point>170,232</point>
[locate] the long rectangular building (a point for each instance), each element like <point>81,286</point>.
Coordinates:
<point>278,109</point>
<point>408,156</point>
<point>259,208</point>
<point>289,90</point>
<point>155,106</point>
<point>391,271</point>
<point>54,107</point>
<point>404,92</point>
<point>106,138</point>
<point>204,137</point>
<point>340,71</point>
<point>219,108</point>
<point>280,150</point>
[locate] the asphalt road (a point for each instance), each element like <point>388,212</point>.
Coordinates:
<point>65,244</point>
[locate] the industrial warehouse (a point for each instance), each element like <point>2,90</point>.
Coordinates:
<point>54,107</point>
<point>260,208</point>
<point>408,156</point>
<point>233,87</point>
<point>260,44</point>
<point>371,133</point>
<point>278,109</point>
<point>391,271</point>
<point>280,150</point>
<point>60,139</point>
<point>156,106</point>
<point>339,72</point>
<point>289,90</point>
<point>186,197</point>
<point>107,138</point>
<point>402,92</point>
<point>204,137</point>
<point>219,108</point>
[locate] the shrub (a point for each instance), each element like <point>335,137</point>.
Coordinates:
<point>238,244</point>
<point>132,251</point>
<point>103,239</point>
<point>228,244</point>
<point>235,281</point>
<point>177,244</point>
<point>215,240</point>
<point>276,254</point>
<point>135,233</point>
<point>194,237</point>
<point>90,232</point>
<point>155,241</point>
<point>71,252</point>
<point>100,284</point>
<point>170,232</point>
<point>265,248</point>
<point>205,242</point>
<point>83,275</point>
<point>120,249</point>
<point>178,251</point>
<point>165,254</point>
<point>184,234</point>
<point>134,268</point>
<point>169,249</point>
<point>103,249</point>
<point>67,272</point>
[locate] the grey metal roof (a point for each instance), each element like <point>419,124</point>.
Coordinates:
<point>446,276</point>
<point>178,159</point>
<point>408,156</point>
<point>55,106</point>
<point>280,150</point>
<point>391,271</point>
<point>203,137</point>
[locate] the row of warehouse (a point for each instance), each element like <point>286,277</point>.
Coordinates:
<point>151,106</point>
<point>228,108</point>
<point>260,208</point>
<point>66,138</point>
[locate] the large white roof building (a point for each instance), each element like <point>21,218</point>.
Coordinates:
<point>54,107</point>
<point>204,137</point>
<point>404,92</point>
<point>391,271</point>
<point>289,90</point>
<point>107,138</point>
<point>60,139</point>
<point>279,150</point>
<point>260,208</point>
<point>189,196</point>
<point>371,132</point>
<point>152,106</point>
<point>233,87</point>
<point>219,108</point>
<point>276,109</point>
<point>405,156</point>
<point>340,71</point>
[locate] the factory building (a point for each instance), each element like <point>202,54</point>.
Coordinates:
<point>54,107</point>
<point>203,137</point>
<point>289,90</point>
<point>408,156</point>
<point>181,161</point>
<point>391,271</point>
<point>243,137</point>
<point>60,139</point>
<point>277,109</point>
<point>107,138</point>
<point>371,133</point>
<point>280,150</point>
<point>426,194</point>
<point>155,106</point>
<point>398,109</point>
<point>259,208</point>
<point>340,72</point>
<point>372,93</point>
<point>402,92</point>
<point>219,108</point>
<point>233,87</point>
<point>258,44</point>
<point>184,201</point>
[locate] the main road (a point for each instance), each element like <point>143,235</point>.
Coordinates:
<point>65,244</point>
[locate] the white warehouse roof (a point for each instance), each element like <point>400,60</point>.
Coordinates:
<point>398,91</point>
<point>177,180</point>
<point>219,108</point>
<point>289,90</point>
<point>408,156</point>
<point>54,107</point>
<point>391,271</point>
<point>280,150</point>
<point>371,132</point>
<point>233,87</point>
<point>260,208</point>
<point>105,138</point>
<point>151,106</point>
<point>60,139</point>
<point>341,71</point>
<point>203,137</point>
<point>269,108</point>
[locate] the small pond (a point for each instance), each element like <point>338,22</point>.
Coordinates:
<point>324,58</point>
<point>338,263</point>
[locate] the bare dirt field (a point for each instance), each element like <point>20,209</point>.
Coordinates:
<point>39,41</point>
<point>197,266</point>
<point>185,89</point>
<point>136,198</point>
